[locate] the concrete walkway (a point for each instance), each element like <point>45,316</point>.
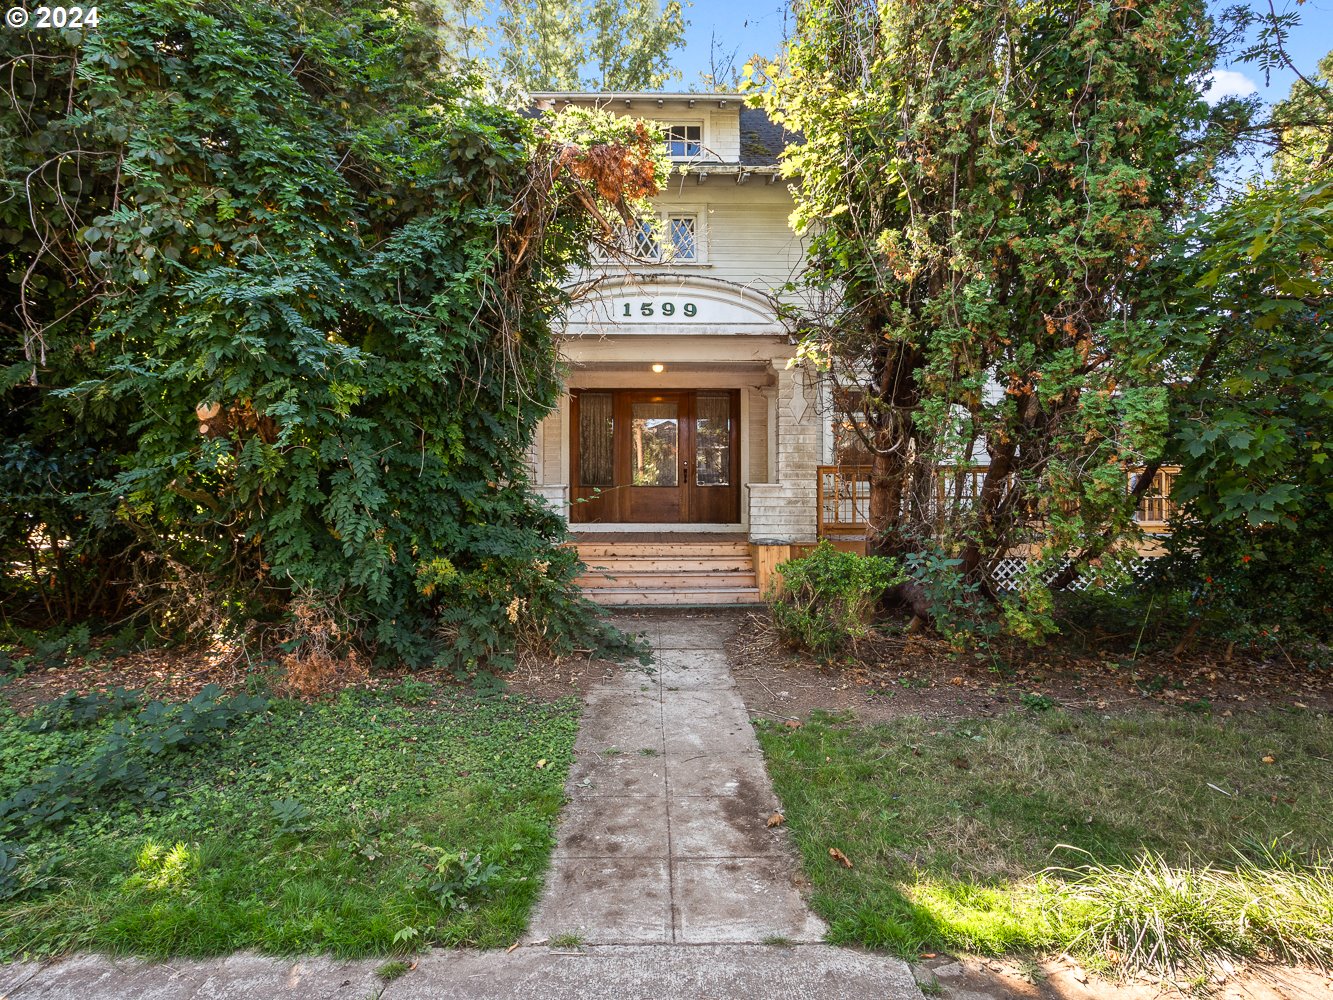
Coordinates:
<point>665,839</point>
<point>667,882</point>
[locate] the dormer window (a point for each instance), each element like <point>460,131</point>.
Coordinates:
<point>684,141</point>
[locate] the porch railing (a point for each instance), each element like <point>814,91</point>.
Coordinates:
<point>843,496</point>
<point>1155,507</point>
<point>843,499</point>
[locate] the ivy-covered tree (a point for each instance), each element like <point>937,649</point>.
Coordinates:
<point>309,279</point>
<point>621,45</point>
<point>988,190</point>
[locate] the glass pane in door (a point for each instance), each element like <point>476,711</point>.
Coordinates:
<point>654,444</point>
<point>596,439</point>
<point>712,439</point>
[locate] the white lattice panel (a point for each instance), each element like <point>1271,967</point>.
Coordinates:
<point>1007,572</point>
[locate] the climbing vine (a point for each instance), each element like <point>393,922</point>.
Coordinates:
<point>297,282</point>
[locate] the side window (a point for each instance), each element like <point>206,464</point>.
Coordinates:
<point>849,446</point>
<point>684,141</point>
<point>682,232</point>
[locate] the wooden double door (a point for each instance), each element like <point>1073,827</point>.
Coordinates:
<point>658,457</point>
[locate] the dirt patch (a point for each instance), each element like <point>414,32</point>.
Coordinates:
<point>919,675</point>
<point>1061,978</point>
<point>177,675</point>
<point>550,680</point>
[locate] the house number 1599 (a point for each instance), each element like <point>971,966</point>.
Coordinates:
<point>689,309</point>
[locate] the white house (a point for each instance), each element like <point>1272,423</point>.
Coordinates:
<point>683,432</point>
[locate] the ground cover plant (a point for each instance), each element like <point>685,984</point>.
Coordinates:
<point>374,823</point>
<point>1139,841</point>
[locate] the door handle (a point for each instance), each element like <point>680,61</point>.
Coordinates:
<point>686,477</point>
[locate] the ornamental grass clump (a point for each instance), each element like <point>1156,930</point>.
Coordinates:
<point>1184,922</point>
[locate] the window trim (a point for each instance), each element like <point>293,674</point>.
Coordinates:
<point>667,126</point>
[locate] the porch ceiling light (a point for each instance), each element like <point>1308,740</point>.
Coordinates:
<point>659,368</point>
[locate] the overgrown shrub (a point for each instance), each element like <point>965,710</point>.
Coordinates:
<point>309,277</point>
<point>828,597</point>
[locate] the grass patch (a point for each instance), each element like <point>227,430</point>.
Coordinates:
<point>393,969</point>
<point>1045,829</point>
<point>368,826</point>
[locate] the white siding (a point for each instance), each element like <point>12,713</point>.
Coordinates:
<point>552,447</point>
<point>744,228</point>
<point>757,428</point>
<point>724,133</point>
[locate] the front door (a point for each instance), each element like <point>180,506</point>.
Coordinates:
<point>656,457</point>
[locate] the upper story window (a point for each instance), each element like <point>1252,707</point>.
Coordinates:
<point>682,236</point>
<point>684,141</point>
<point>672,238</point>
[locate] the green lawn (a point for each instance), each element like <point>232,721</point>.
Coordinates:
<point>948,823</point>
<point>329,828</point>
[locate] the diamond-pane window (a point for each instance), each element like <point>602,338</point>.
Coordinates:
<point>643,241</point>
<point>684,140</point>
<point>684,245</point>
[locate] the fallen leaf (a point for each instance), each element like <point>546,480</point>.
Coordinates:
<point>956,681</point>
<point>928,954</point>
<point>792,724</point>
<point>839,857</point>
<point>1270,759</point>
<point>511,947</point>
<point>541,763</point>
<point>777,819</point>
<point>961,763</point>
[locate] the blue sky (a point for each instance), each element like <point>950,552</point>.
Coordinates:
<point>758,26</point>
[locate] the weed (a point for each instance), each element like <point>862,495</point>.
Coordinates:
<point>932,987</point>
<point>647,752</point>
<point>289,814</point>
<point>393,969</point>
<point>1037,702</point>
<point>778,941</point>
<point>461,879</point>
<point>565,941</point>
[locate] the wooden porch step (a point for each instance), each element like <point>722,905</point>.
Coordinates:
<point>707,564</point>
<point>666,579</point>
<point>636,597</point>
<point>660,550</point>
<point>668,573</point>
